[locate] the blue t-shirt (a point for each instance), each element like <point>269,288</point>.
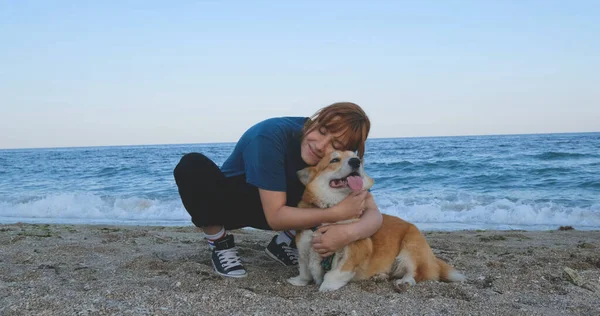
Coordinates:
<point>268,154</point>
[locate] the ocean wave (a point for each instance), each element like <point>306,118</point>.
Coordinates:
<point>449,212</point>
<point>486,212</point>
<point>425,166</point>
<point>81,207</point>
<point>453,165</point>
<point>390,165</point>
<point>445,164</point>
<point>555,155</point>
<point>589,185</point>
<point>549,171</point>
<point>109,171</point>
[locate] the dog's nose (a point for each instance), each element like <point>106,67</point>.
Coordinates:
<point>354,163</point>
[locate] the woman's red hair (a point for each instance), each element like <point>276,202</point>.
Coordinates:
<point>347,118</point>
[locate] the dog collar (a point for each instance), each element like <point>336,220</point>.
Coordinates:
<point>326,262</point>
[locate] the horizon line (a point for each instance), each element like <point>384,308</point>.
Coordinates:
<point>233,142</point>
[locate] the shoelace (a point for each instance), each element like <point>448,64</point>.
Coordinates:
<point>292,253</point>
<point>229,258</point>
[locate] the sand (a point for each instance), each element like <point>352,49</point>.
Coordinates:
<point>132,270</point>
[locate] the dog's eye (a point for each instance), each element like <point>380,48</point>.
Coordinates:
<point>335,160</point>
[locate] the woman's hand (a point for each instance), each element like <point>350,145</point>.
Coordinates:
<point>352,206</point>
<point>330,238</point>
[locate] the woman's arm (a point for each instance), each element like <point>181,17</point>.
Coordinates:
<point>369,222</point>
<point>282,217</point>
<point>331,238</point>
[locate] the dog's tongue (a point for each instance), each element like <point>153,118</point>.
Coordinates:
<point>355,183</point>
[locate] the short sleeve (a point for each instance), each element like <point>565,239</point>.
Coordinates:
<point>264,162</point>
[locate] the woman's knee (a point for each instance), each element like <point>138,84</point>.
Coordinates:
<point>196,167</point>
<point>190,163</point>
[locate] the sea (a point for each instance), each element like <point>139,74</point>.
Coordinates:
<point>505,182</point>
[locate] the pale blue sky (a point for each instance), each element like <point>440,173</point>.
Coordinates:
<point>86,73</point>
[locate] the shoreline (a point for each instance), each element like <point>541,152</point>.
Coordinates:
<point>423,226</point>
<point>164,270</point>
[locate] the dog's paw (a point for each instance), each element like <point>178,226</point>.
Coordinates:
<point>319,281</point>
<point>380,277</point>
<point>298,281</point>
<point>330,286</point>
<point>406,280</point>
<point>403,284</point>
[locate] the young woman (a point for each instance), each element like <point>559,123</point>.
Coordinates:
<point>257,186</point>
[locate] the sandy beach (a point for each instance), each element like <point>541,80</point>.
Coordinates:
<point>134,270</point>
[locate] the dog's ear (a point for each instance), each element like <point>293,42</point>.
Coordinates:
<point>305,175</point>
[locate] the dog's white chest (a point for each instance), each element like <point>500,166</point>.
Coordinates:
<point>304,245</point>
<point>305,241</point>
<point>306,252</point>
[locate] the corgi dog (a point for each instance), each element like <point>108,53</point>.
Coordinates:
<point>398,250</point>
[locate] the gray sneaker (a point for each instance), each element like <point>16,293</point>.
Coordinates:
<point>225,259</point>
<point>282,253</point>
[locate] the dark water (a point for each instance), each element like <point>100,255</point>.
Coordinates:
<point>502,182</point>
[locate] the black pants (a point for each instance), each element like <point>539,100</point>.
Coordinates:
<point>213,199</point>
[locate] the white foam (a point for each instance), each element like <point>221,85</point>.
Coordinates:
<point>464,212</point>
<point>432,214</point>
<point>79,208</point>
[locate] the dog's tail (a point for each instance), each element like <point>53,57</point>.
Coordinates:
<point>448,273</point>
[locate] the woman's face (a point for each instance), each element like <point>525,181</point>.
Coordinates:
<point>318,143</point>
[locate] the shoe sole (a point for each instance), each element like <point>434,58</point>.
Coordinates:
<point>274,257</point>
<point>228,275</point>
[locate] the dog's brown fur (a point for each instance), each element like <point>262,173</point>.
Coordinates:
<point>398,250</point>
<point>377,254</point>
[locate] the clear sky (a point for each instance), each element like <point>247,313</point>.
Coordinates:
<point>86,73</point>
